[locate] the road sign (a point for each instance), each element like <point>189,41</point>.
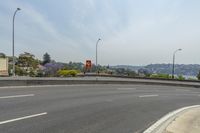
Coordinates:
<point>88,64</point>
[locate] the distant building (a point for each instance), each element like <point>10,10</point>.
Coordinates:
<point>3,66</point>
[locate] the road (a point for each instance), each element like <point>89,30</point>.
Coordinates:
<point>89,108</point>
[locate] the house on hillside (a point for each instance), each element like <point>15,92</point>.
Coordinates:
<point>3,65</point>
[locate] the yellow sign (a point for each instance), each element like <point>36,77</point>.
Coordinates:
<point>3,66</point>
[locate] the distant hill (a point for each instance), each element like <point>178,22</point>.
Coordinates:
<point>132,68</point>
<point>180,69</point>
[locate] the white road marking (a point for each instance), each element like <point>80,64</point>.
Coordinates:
<point>22,118</point>
<point>148,96</point>
<point>17,96</point>
<point>126,88</point>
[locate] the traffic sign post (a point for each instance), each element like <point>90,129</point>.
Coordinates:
<point>88,65</point>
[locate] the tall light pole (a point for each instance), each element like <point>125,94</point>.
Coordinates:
<point>13,42</point>
<point>97,55</point>
<point>174,62</point>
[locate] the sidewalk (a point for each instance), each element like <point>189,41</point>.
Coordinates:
<point>186,122</point>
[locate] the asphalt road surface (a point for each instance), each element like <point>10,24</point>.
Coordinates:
<point>89,108</point>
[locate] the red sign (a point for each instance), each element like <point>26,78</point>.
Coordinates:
<point>88,64</point>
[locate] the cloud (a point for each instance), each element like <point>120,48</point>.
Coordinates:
<point>132,32</point>
<point>34,32</point>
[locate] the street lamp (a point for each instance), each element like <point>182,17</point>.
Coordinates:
<point>13,42</point>
<point>174,62</point>
<point>97,55</point>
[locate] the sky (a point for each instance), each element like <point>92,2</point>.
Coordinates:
<point>132,32</point>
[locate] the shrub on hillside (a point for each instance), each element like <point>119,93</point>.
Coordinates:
<point>198,76</point>
<point>72,73</point>
<point>163,76</point>
<point>50,69</point>
<point>192,79</point>
<point>180,77</point>
<point>67,73</point>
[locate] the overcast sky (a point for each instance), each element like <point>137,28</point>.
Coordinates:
<point>133,32</point>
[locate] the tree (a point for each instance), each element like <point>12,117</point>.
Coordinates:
<point>20,72</point>
<point>198,76</point>
<point>27,64</point>
<point>120,71</point>
<point>27,60</point>
<point>145,72</point>
<point>52,68</point>
<point>131,73</point>
<point>46,58</point>
<point>74,65</point>
<point>2,55</point>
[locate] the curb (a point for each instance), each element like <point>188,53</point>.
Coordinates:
<point>161,124</point>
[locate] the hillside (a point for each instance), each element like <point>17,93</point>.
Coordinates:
<point>180,69</point>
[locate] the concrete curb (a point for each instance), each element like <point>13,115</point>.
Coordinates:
<point>29,82</point>
<point>161,124</point>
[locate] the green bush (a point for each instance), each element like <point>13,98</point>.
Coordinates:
<point>192,79</point>
<point>67,73</point>
<point>39,73</point>
<point>180,77</point>
<point>198,76</point>
<point>62,73</point>
<point>72,73</point>
<point>20,72</point>
<point>163,76</point>
<point>32,73</point>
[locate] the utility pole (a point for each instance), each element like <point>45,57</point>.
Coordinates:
<point>13,42</point>
<point>174,54</point>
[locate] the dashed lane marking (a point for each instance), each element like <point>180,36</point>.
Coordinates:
<point>17,96</point>
<point>143,96</point>
<point>22,118</point>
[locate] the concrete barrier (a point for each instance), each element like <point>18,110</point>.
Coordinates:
<point>57,81</point>
<point>137,77</point>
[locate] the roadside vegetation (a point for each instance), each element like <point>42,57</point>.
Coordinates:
<point>163,76</point>
<point>67,73</point>
<point>198,76</point>
<point>28,65</point>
